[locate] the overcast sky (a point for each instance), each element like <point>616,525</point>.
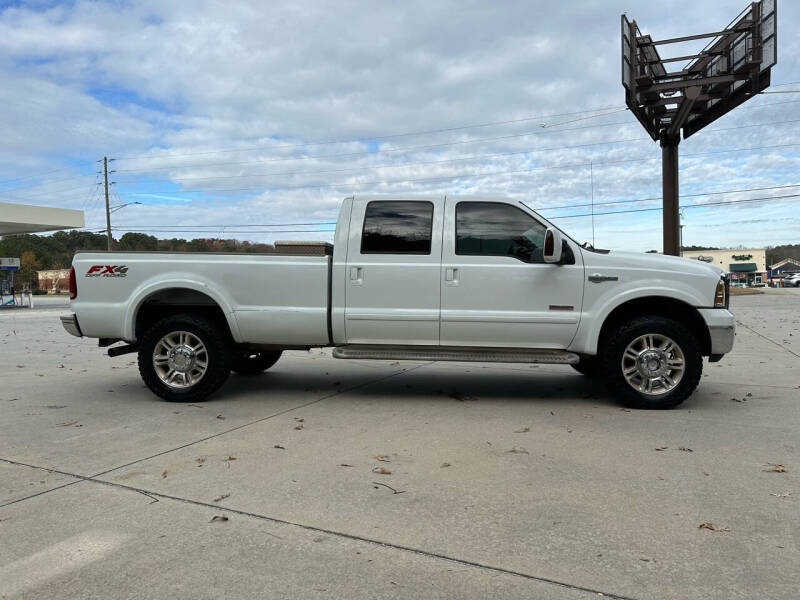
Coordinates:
<point>227,114</point>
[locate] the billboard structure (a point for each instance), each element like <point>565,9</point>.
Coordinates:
<point>732,68</point>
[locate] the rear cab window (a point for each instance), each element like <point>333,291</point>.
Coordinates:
<point>397,227</point>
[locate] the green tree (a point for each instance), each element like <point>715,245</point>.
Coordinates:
<point>26,276</point>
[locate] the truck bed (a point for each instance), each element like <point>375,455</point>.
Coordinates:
<point>281,297</point>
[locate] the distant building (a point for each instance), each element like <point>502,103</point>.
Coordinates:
<point>787,265</point>
<point>54,281</point>
<point>747,266</point>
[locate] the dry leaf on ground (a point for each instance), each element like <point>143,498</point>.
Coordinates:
<point>775,468</point>
<point>216,518</point>
<point>516,450</point>
<point>163,474</point>
<point>443,465</point>
<point>712,527</point>
<point>382,471</point>
<point>661,448</point>
<point>382,458</point>
<point>221,498</point>
<point>685,449</point>
<point>523,430</point>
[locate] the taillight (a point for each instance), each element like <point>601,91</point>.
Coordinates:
<point>73,285</point>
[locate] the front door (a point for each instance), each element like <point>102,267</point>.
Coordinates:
<point>393,263</point>
<point>496,288</point>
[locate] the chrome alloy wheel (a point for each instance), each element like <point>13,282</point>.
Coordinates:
<point>653,364</point>
<point>180,359</point>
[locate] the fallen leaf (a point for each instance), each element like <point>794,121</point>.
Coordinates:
<point>279,447</point>
<point>220,416</point>
<point>661,448</point>
<point>774,468</point>
<point>221,498</point>
<point>299,427</point>
<point>443,465</point>
<point>230,458</point>
<point>218,518</point>
<point>783,495</point>
<point>685,449</point>
<point>299,420</point>
<point>345,465</point>
<point>163,474</point>
<point>516,450</point>
<point>200,460</point>
<point>382,458</point>
<point>712,527</point>
<point>20,366</point>
<point>523,430</point>
<point>382,471</point>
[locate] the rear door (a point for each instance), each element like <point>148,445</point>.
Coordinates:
<point>496,288</point>
<point>392,278</point>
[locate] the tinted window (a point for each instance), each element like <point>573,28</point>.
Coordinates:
<point>397,227</point>
<point>492,229</point>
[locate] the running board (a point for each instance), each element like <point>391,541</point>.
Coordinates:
<point>455,353</point>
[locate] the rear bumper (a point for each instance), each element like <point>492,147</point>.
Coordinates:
<point>721,329</point>
<point>70,323</point>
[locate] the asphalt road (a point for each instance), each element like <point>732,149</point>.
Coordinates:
<point>356,479</point>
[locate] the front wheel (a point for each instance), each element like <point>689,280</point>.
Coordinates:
<point>184,358</point>
<point>652,362</point>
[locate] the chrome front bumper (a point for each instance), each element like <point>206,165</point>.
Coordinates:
<point>70,323</point>
<point>721,329</point>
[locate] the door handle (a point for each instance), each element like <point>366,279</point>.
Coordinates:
<point>451,276</point>
<point>356,275</point>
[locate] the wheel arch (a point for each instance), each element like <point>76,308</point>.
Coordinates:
<point>155,302</point>
<point>661,306</point>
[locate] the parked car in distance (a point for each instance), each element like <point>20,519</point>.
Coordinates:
<point>791,280</point>
<point>438,278</point>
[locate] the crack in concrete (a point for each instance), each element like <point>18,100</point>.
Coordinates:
<point>333,532</point>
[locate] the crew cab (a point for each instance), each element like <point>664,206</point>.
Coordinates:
<point>445,278</point>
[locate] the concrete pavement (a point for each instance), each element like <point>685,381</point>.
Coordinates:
<point>503,480</point>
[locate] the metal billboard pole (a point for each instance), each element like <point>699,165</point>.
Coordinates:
<point>733,67</point>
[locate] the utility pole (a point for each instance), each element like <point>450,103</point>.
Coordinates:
<point>108,212</point>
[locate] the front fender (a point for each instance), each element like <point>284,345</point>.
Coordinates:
<point>598,308</point>
<point>170,281</point>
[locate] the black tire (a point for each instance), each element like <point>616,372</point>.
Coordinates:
<point>630,331</point>
<point>252,362</point>
<point>590,366</point>
<point>217,349</point>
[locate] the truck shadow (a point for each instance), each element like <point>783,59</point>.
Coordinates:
<point>424,385</point>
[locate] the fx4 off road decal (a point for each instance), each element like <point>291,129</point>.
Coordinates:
<point>107,271</point>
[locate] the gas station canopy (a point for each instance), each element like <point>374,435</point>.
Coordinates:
<point>24,218</point>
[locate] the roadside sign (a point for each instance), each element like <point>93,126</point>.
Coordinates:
<point>9,264</point>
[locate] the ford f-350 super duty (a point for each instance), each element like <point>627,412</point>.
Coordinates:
<point>441,278</point>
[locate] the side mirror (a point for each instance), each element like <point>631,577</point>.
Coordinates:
<point>553,245</point>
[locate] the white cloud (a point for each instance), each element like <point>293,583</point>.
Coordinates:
<point>187,86</point>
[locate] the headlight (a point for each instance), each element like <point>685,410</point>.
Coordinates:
<point>721,295</point>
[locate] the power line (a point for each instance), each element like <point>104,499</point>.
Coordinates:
<point>461,176</point>
<point>636,210</point>
<point>538,209</point>
<point>373,138</point>
<point>419,147</point>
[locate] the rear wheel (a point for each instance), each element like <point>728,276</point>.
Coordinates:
<point>652,362</point>
<point>247,361</point>
<point>184,358</point>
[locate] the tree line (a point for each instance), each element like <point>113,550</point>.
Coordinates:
<point>38,252</point>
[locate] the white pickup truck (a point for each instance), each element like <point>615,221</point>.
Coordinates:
<point>442,278</point>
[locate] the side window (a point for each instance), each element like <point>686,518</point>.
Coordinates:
<point>397,227</point>
<point>493,229</point>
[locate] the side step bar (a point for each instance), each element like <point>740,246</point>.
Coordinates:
<point>455,353</point>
